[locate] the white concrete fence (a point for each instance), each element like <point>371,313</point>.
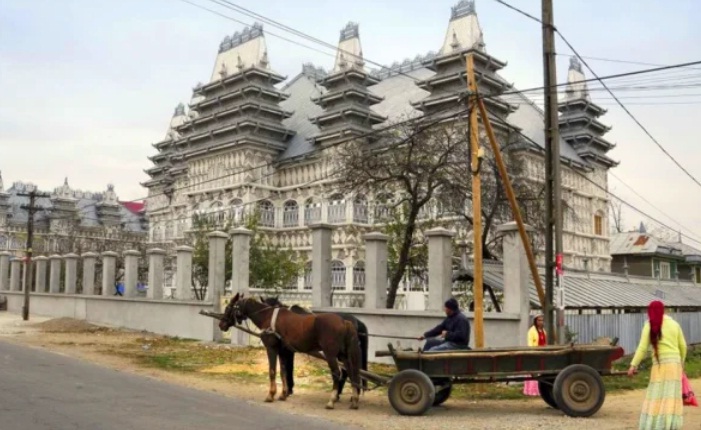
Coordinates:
<point>178,316</point>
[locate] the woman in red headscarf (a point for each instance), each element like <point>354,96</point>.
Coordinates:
<point>662,408</point>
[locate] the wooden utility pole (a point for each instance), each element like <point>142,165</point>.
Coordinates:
<point>510,194</point>
<point>476,161</point>
<point>553,201</point>
<point>31,209</point>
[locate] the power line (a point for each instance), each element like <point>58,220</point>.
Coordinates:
<point>630,114</point>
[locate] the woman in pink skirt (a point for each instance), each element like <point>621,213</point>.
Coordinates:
<point>536,337</point>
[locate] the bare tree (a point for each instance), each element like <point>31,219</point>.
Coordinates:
<point>414,161</point>
<point>616,213</point>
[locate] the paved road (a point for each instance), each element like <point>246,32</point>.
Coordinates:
<point>40,390</point>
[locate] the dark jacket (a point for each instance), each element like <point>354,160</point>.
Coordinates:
<point>457,326</point>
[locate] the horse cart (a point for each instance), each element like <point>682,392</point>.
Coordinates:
<point>569,377</point>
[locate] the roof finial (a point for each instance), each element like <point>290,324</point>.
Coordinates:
<point>179,110</point>
<point>575,64</point>
<point>463,8</point>
<point>350,31</point>
<point>642,228</point>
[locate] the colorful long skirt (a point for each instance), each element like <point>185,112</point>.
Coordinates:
<point>530,388</point>
<point>663,405</point>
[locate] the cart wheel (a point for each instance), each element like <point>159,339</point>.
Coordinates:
<point>411,392</point>
<point>579,391</point>
<point>546,393</point>
<point>443,394</point>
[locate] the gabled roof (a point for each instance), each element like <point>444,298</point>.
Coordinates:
<point>636,243</point>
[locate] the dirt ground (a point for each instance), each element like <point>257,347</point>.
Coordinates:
<point>110,348</point>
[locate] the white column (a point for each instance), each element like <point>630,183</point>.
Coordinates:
<point>55,274</point>
<point>183,273</point>
<point>109,272</point>
<point>440,273</point>
<point>156,259</point>
<point>71,274</point>
<point>40,264</point>
<point>240,272</point>
<point>321,265</point>
<point>516,276</point>
<point>89,261</point>
<point>376,270</point>
<point>216,274</point>
<point>131,272</point>
<point>5,270</point>
<point>15,274</point>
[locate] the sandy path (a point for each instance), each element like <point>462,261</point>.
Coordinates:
<point>620,411</point>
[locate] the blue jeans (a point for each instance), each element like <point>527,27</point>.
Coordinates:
<point>435,345</point>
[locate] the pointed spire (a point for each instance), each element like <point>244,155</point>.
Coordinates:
<point>2,187</point>
<point>349,46</point>
<point>576,86</point>
<point>464,31</point>
<point>642,228</point>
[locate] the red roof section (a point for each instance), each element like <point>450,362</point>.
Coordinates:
<point>134,207</point>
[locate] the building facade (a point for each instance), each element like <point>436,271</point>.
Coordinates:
<point>252,141</point>
<point>69,221</point>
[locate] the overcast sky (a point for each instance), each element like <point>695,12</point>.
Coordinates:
<point>87,85</point>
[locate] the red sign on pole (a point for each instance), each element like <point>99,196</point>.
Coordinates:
<point>558,264</point>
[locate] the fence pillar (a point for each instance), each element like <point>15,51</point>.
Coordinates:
<point>89,261</point>
<point>15,274</point>
<point>156,259</point>
<point>131,272</point>
<point>216,277</point>
<point>55,274</point>
<point>40,264</point>
<point>516,277</point>
<point>376,270</point>
<point>440,266</point>
<point>240,272</point>
<point>321,265</point>
<point>183,272</point>
<point>109,272</point>
<point>5,270</point>
<point>71,275</point>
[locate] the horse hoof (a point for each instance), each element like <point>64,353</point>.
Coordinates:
<point>329,405</point>
<point>282,398</point>
<point>354,406</point>
<point>269,399</point>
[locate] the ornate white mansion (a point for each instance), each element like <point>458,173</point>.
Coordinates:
<point>251,139</point>
<point>69,221</point>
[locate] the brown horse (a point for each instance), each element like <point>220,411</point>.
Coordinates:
<point>328,333</point>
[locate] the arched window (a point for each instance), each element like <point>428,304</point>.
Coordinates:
<point>217,214</point>
<point>338,275</point>
<point>170,231</point>
<point>3,242</point>
<point>236,211</point>
<point>359,276</point>
<point>266,213</point>
<point>360,209</point>
<point>382,207</point>
<point>337,209</point>
<point>312,211</point>
<point>308,276</point>
<point>290,215</point>
<point>599,224</point>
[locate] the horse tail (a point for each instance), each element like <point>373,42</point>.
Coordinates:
<point>364,343</point>
<point>352,347</point>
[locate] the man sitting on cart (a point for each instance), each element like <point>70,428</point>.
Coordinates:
<point>452,334</point>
